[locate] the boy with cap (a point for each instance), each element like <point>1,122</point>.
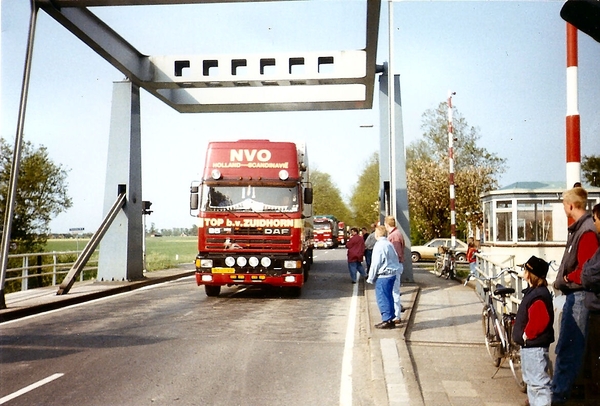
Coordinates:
<point>534,332</point>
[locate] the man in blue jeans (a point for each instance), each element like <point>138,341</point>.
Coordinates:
<point>582,243</point>
<point>356,252</point>
<point>383,270</point>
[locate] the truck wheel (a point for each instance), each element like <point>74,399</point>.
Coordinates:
<point>212,291</point>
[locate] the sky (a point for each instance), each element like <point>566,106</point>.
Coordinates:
<point>506,61</point>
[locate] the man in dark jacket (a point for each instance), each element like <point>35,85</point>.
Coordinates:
<point>356,252</point>
<point>590,280</point>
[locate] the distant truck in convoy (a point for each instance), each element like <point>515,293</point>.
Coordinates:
<point>326,231</point>
<point>254,210</point>
<point>342,235</point>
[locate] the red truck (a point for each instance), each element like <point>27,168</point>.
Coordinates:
<point>254,206</point>
<point>342,235</point>
<point>326,231</point>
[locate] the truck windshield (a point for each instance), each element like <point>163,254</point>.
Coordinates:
<point>250,198</point>
<point>322,226</point>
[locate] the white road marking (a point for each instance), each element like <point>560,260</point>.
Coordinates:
<point>29,388</point>
<point>346,383</point>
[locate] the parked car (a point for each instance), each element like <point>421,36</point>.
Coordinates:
<point>428,251</point>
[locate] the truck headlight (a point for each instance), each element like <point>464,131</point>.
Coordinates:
<point>292,264</point>
<point>241,261</point>
<point>230,261</point>
<point>266,262</point>
<point>253,261</point>
<point>206,263</point>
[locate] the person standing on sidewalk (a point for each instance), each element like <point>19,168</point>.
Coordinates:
<point>382,273</point>
<point>534,332</point>
<point>590,280</point>
<point>397,240</point>
<point>582,243</point>
<point>471,250</point>
<point>369,244</point>
<point>356,251</point>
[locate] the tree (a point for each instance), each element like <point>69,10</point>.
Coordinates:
<point>365,196</point>
<point>327,197</point>
<point>590,167</point>
<point>41,194</point>
<point>475,172</point>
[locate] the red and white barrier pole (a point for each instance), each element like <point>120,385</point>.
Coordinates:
<point>573,145</point>
<point>451,175</point>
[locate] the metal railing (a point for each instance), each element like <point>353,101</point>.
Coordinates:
<point>490,265</point>
<point>49,268</point>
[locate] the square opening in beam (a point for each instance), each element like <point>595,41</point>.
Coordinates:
<point>296,66</point>
<point>267,66</point>
<point>210,67</point>
<point>239,67</point>
<point>326,64</point>
<point>181,67</point>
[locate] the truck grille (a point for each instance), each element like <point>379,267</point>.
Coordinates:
<point>248,231</point>
<point>255,244</point>
<point>248,241</point>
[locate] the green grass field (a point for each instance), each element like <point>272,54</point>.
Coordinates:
<point>161,252</point>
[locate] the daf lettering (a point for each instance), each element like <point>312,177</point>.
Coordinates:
<point>277,231</point>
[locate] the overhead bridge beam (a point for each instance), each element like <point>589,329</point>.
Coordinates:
<point>229,83</point>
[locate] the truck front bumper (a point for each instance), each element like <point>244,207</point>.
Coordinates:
<point>221,279</point>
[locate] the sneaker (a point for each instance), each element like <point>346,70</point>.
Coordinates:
<point>397,321</point>
<point>385,325</point>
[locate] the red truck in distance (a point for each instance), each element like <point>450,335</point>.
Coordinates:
<point>326,231</point>
<point>254,210</point>
<point>342,235</point>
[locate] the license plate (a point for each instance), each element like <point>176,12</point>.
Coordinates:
<point>223,270</point>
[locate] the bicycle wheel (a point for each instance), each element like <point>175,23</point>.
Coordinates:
<point>492,341</point>
<point>451,267</point>
<point>438,266</point>
<point>514,356</point>
<point>514,360</point>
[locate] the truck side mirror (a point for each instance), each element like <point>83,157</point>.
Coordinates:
<point>308,196</point>
<point>583,14</point>
<point>194,198</point>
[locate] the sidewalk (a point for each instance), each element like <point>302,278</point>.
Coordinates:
<point>437,356</point>
<point>27,303</point>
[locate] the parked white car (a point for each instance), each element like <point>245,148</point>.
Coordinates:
<point>428,251</point>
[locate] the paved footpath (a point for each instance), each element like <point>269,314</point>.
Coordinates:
<point>438,356</point>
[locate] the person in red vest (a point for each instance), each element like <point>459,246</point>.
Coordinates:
<point>582,243</point>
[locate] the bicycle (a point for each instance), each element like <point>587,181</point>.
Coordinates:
<point>445,263</point>
<point>497,330</point>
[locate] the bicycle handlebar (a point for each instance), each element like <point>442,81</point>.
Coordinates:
<point>491,278</point>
